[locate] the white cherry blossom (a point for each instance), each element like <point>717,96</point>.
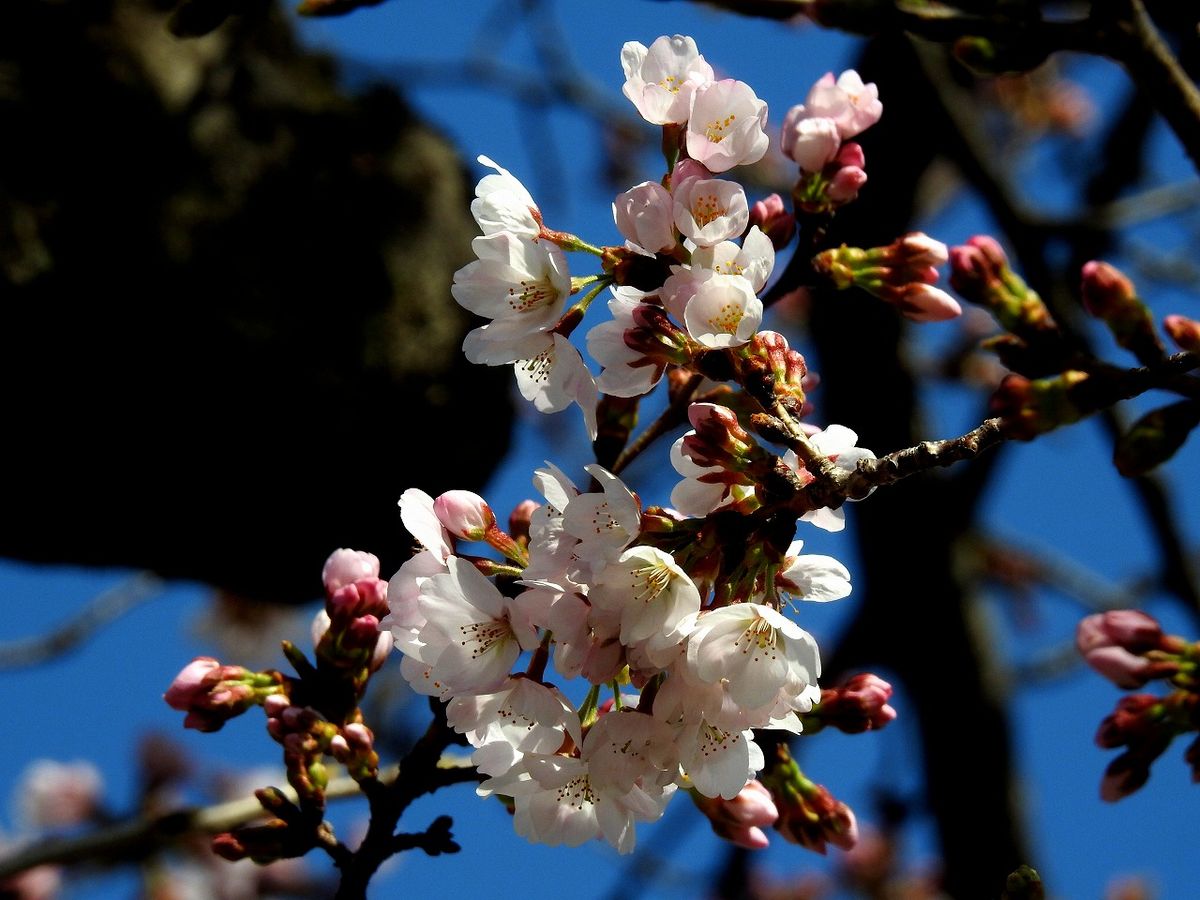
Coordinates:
<point>472,635</point>
<point>710,210</point>
<point>604,523</point>
<point>660,79</point>
<point>854,106</point>
<point>503,204</point>
<point>753,260</point>
<point>514,280</point>
<point>645,217</point>
<point>405,619</point>
<point>725,127</point>
<point>416,512</point>
<point>762,655</point>
<point>812,576</point>
<point>723,311</point>
<point>523,716</point>
<point>627,748</point>
<point>695,496</point>
<point>837,442</point>
<point>718,761</point>
<point>651,596</point>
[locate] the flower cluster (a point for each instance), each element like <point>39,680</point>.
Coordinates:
<point>677,619</point>
<point>1130,649</point>
<point>682,613</point>
<point>697,252</point>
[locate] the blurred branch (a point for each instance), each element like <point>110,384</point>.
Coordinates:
<point>141,836</point>
<point>104,608</point>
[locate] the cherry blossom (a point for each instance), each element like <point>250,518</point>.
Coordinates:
<point>416,512</point>
<point>503,204</point>
<point>753,260</point>
<point>635,346</point>
<point>650,594</point>
<point>523,716</point>
<point>710,210</point>
<point>472,635</point>
<point>726,125</point>
<point>661,79</point>
<point>812,141</point>
<point>854,106</point>
<point>517,281</point>
<point>761,654</point>
<point>645,216</point>
<point>604,523</point>
<point>812,576</point>
<point>723,311</point>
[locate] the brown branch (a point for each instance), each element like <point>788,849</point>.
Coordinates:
<point>135,838</point>
<point>1134,42</point>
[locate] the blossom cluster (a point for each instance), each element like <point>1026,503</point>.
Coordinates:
<point>681,613</point>
<point>674,623</point>
<point>697,253</point>
<point>1130,649</point>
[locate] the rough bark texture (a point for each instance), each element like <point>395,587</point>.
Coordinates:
<point>228,340</point>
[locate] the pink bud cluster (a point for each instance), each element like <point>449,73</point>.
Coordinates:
<point>902,273</point>
<point>211,694</point>
<point>1130,648</point>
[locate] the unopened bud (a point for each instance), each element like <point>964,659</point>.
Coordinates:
<point>774,220</point>
<point>348,566</point>
<point>1184,332</point>
<point>808,814</point>
<point>1155,437</point>
<point>520,517</point>
<point>979,272</point>
<point>464,514</point>
<point>742,819</point>
<point>861,704</point>
<point>1111,297</point>
<point>1030,408</point>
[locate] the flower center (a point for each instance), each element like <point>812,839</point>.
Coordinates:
<point>715,130</point>
<point>706,208</point>
<point>527,295</point>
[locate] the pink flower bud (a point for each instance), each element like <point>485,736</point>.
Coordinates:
<point>521,516</point>
<point>923,302</point>
<point>464,514</point>
<point>811,142</point>
<point>773,219</point>
<point>1131,629</point>
<point>362,598</point>
<point>1118,665</point>
<point>1105,288</point>
<point>1134,721</point>
<point>742,819</point>
<point>1184,332</point>
<point>845,185</point>
<point>1124,775</point>
<point>918,249</point>
<point>859,705</point>
<point>685,169</point>
<point>191,683</point>
<point>347,566</point>
<point>851,155</point>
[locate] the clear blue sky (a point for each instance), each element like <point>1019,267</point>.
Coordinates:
<point>1059,493</point>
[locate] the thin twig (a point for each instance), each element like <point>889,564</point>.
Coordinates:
<point>139,836</point>
<point>83,624</point>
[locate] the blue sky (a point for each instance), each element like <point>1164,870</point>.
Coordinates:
<point>1059,493</point>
